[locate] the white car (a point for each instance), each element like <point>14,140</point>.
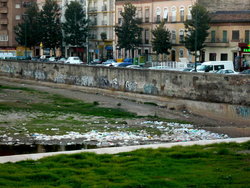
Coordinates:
<point>226,71</point>
<point>74,60</point>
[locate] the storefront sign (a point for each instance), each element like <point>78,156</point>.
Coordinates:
<point>247,49</point>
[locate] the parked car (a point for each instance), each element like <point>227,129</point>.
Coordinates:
<point>187,69</point>
<point>124,64</point>
<point>74,60</point>
<point>52,59</point>
<point>226,71</point>
<point>135,66</point>
<point>96,61</point>
<point>109,62</point>
<point>61,60</point>
<point>245,72</point>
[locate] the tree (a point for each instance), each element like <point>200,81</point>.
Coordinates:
<point>51,25</point>
<point>75,26</point>
<point>161,40</point>
<point>28,32</point>
<point>197,28</point>
<point>129,33</point>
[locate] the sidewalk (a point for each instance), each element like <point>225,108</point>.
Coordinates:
<point>114,150</point>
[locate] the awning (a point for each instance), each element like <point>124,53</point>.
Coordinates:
<point>109,48</point>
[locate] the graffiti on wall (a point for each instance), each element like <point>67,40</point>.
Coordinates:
<point>85,81</point>
<point>243,111</point>
<point>130,86</point>
<point>40,75</point>
<point>60,78</point>
<point>150,89</point>
<point>114,83</point>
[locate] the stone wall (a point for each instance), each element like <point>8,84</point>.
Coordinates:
<point>231,89</point>
<point>225,5</point>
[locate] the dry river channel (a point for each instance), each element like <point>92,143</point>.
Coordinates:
<point>23,131</point>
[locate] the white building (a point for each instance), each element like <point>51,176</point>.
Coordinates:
<point>101,14</point>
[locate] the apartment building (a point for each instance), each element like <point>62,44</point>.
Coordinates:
<point>11,13</point>
<point>152,12</point>
<point>229,31</point>
<point>101,14</point>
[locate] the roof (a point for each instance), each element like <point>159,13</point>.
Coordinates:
<point>230,16</point>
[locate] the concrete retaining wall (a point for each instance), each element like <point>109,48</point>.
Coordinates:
<point>231,89</point>
<point>220,97</point>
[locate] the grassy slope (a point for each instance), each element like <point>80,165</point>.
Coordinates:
<point>218,165</point>
<point>58,103</point>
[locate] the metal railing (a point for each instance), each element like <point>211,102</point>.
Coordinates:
<point>168,65</point>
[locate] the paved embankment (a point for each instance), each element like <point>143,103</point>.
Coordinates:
<point>114,150</point>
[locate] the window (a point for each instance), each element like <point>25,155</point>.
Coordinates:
<point>165,14</point>
<point>189,17</point>
<point>223,57</point>
<point>173,10</point>
<point>147,15</point>
<point>119,16</point>
<point>212,56</point>
<point>139,13</point>
<point>224,39</point>
<point>18,17</point>
<point>218,67</point>
<point>247,36</point>
<point>181,53</point>
<point>3,37</point>
<point>212,36</point>
<point>139,51</point>
<point>181,35</point>
<point>173,36</point>
<point>235,35</point>
<point>18,6</point>
<point>182,14</point>
<point>146,36</point>
<point>158,15</point>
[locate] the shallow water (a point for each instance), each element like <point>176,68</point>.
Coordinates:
<point>6,150</point>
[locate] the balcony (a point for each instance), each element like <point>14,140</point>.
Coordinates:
<point>172,19</point>
<point>119,21</point>
<point>104,8</point>
<point>157,20</point>
<point>189,17</point>
<point>93,23</point>
<point>217,42</point>
<point>3,21</point>
<point>3,10</point>
<point>92,9</point>
<point>93,36</point>
<point>146,19</point>
<point>104,22</point>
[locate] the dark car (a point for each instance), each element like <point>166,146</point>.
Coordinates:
<point>245,71</point>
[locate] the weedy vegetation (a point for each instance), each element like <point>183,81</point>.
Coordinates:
<point>217,165</point>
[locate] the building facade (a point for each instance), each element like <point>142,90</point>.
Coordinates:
<point>101,15</point>
<point>229,36</point>
<point>173,12</point>
<point>11,13</point>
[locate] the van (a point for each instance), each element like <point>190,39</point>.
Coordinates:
<point>213,66</point>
